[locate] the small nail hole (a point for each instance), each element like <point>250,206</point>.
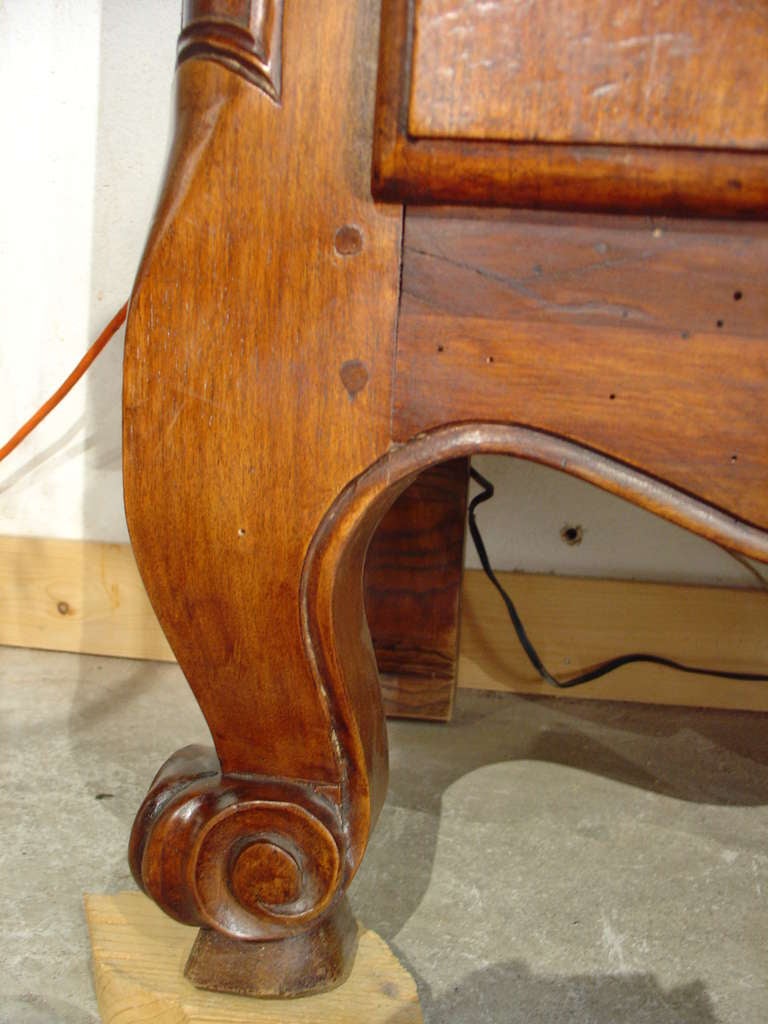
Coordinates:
<point>489,359</point>
<point>612,396</point>
<point>734,459</point>
<point>572,535</point>
<point>62,608</point>
<point>241,532</point>
<point>719,323</point>
<point>738,296</point>
<point>441,348</point>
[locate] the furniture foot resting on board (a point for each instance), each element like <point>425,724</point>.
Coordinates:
<point>296,356</point>
<point>255,859</point>
<point>137,951</point>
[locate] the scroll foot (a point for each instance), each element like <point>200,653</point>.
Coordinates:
<point>313,961</point>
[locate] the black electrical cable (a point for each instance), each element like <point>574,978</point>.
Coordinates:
<point>600,670</point>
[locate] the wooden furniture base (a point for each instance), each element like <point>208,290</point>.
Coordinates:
<point>316,960</point>
<point>138,960</point>
<point>297,355</point>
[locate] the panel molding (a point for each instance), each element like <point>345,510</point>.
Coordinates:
<point>555,176</point>
<point>248,39</point>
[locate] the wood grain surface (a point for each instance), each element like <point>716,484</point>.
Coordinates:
<point>87,597</point>
<point>260,448</point>
<point>257,385</point>
<point>624,72</point>
<point>643,340</point>
<point>412,588</point>
<point>577,623</point>
<point>206,352</point>
<point>649,108</point>
<point>246,37</point>
<point>138,959</point>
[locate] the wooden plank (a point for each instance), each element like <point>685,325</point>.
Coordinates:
<point>644,343</point>
<point>70,595</point>
<point>577,623</point>
<point>583,620</point>
<point>574,174</point>
<point>138,960</point>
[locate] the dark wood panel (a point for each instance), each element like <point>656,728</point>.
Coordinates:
<point>628,272</point>
<point>620,72</point>
<point>412,592</point>
<point>565,175</point>
<point>647,343</point>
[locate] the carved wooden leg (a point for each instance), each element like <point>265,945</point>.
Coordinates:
<point>258,376</point>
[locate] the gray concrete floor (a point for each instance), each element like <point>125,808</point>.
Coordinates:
<point>537,861</point>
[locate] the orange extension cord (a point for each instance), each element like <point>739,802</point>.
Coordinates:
<point>106,335</point>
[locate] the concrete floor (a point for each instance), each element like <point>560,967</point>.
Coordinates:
<point>538,861</point>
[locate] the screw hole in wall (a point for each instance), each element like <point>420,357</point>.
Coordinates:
<point>572,535</point>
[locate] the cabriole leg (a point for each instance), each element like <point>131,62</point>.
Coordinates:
<point>257,386</point>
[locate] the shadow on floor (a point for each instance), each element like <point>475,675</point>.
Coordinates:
<point>702,757</point>
<point>510,993</point>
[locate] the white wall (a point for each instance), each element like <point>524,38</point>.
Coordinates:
<point>522,528</point>
<point>86,87</point>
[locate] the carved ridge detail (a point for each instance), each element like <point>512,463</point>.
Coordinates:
<point>361,505</point>
<point>246,37</point>
<point>332,607</point>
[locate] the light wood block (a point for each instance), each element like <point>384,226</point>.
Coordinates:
<point>80,596</point>
<point>138,962</point>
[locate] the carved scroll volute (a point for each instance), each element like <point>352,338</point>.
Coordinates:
<point>244,35</point>
<point>253,858</point>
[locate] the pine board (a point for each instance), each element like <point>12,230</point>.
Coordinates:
<point>87,597</point>
<point>138,962</point>
<point>577,623</point>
